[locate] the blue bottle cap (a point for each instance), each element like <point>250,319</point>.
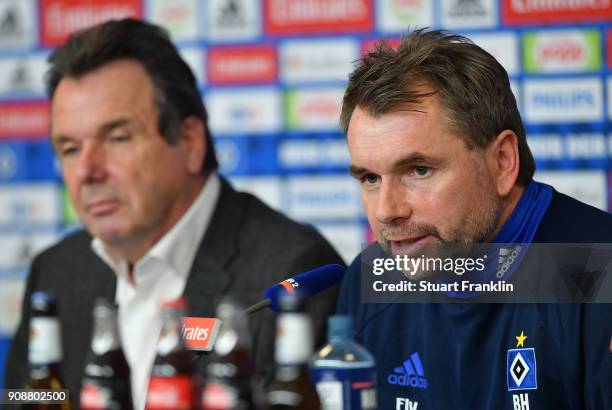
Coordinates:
<point>340,327</point>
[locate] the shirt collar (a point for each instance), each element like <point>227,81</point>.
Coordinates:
<point>178,247</point>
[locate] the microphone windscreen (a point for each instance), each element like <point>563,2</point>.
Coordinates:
<point>305,284</point>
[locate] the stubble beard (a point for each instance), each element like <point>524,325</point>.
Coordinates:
<point>461,240</point>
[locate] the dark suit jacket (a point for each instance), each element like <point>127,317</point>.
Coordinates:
<point>246,248</point>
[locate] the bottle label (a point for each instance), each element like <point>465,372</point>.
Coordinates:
<point>294,339</point>
<point>346,389</point>
<point>105,393</point>
<point>219,397</point>
<point>45,341</point>
<point>94,397</point>
<point>170,392</point>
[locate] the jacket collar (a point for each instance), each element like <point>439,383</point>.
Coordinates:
<point>209,278</point>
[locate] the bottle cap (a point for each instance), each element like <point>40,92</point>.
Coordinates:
<point>229,307</point>
<point>40,298</point>
<point>103,308</point>
<point>340,327</point>
<point>291,303</point>
<point>43,303</point>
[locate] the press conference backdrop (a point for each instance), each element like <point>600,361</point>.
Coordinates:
<point>272,73</point>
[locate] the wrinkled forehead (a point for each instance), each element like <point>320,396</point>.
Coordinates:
<point>404,117</point>
<point>119,89</point>
<point>418,133</point>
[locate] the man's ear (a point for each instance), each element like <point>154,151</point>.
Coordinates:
<point>503,160</point>
<point>193,141</point>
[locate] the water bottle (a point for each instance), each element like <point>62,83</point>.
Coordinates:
<point>344,372</point>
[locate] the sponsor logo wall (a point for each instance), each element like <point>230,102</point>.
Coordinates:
<point>272,73</point>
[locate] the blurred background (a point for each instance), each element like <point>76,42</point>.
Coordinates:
<point>272,74</point>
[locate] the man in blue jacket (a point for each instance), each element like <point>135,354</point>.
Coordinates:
<point>439,149</point>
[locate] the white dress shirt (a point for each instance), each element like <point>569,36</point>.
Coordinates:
<point>161,274</point>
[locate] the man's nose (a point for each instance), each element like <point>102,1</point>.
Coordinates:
<point>91,164</point>
<point>393,203</point>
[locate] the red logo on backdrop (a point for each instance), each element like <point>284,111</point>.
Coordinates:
<point>321,108</point>
<point>519,12</point>
<point>567,50</point>
<point>316,16</point>
<point>24,120</point>
<point>369,45</point>
<point>199,333</point>
<point>237,65</point>
<point>59,18</point>
<point>609,41</point>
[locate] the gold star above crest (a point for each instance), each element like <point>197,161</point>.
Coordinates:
<point>520,339</point>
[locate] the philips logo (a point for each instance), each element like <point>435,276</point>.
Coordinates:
<point>560,100</point>
<point>409,374</point>
<point>564,101</point>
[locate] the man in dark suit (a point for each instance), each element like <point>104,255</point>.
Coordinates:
<point>130,130</point>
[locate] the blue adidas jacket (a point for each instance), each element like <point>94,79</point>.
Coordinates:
<point>493,356</point>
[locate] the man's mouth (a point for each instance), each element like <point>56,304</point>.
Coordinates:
<point>102,207</point>
<point>410,246</point>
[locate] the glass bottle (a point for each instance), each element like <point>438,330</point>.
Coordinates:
<point>292,387</point>
<point>171,385</point>
<point>45,349</point>
<point>229,382</point>
<point>106,383</point>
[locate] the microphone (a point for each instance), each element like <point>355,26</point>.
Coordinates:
<point>304,285</point>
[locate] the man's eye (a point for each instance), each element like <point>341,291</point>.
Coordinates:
<point>370,179</point>
<point>422,171</point>
<point>120,138</point>
<point>68,151</point>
